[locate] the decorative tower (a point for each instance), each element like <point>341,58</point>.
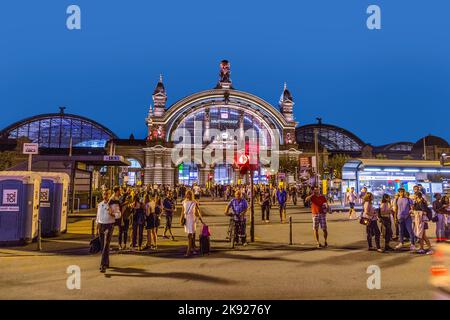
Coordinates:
<point>286,104</point>
<point>159,98</point>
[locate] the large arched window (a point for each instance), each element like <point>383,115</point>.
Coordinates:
<point>223,119</point>
<point>331,137</point>
<point>59,130</point>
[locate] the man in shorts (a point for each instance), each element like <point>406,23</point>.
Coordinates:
<point>319,208</point>
<point>351,198</point>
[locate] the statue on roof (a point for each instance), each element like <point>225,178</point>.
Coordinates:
<point>224,71</point>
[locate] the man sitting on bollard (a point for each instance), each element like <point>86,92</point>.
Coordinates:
<point>319,208</point>
<point>105,226</point>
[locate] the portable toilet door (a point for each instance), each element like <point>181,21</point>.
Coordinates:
<point>19,207</point>
<point>54,202</point>
<point>47,206</point>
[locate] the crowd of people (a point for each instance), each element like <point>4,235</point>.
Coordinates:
<point>404,218</point>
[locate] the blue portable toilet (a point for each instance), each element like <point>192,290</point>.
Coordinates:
<point>53,202</point>
<point>19,206</point>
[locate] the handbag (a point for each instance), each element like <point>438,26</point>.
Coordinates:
<point>183,218</point>
<point>95,245</point>
<point>364,221</point>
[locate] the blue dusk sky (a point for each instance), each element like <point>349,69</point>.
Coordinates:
<point>383,85</point>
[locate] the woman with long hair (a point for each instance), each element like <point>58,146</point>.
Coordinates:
<point>190,214</point>
<point>138,222</point>
<point>420,220</point>
<point>372,225</point>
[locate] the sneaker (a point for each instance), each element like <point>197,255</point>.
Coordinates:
<point>412,248</point>
<point>380,250</point>
<point>399,246</point>
<point>326,244</point>
<point>420,251</point>
<point>430,251</point>
<point>319,245</point>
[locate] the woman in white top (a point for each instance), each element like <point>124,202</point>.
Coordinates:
<point>190,213</point>
<point>372,225</point>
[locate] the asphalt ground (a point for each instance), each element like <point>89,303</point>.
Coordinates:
<point>269,268</point>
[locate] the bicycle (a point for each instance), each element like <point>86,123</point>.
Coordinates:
<point>235,234</point>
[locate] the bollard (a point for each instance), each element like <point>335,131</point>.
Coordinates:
<point>93,229</point>
<point>290,230</point>
<point>39,243</point>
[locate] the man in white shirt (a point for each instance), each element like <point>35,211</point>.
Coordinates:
<point>105,226</point>
<point>350,198</point>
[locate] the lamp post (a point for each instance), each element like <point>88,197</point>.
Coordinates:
<point>252,209</point>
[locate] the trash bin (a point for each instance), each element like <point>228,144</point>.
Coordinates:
<point>19,206</point>
<point>53,201</point>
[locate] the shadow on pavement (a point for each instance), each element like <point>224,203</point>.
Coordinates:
<point>142,273</point>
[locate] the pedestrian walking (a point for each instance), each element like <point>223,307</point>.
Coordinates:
<point>350,198</point>
<point>105,226</point>
<point>265,204</point>
<point>372,229</point>
<point>439,218</point>
<point>403,208</point>
<point>124,225</point>
<point>168,210</point>
<point>190,214</point>
<point>319,208</point>
<point>282,199</point>
<point>138,223</point>
<point>385,215</point>
<point>421,215</point>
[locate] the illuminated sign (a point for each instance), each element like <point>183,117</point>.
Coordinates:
<point>384,178</point>
<point>227,121</point>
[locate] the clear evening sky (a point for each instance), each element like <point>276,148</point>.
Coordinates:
<point>384,85</point>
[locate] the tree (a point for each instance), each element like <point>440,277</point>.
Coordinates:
<point>288,165</point>
<point>336,163</point>
<point>7,159</point>
<point>381,156</point>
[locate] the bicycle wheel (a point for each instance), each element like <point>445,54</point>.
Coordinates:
<point>232,236</point>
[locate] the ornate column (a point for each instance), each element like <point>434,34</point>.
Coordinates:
<point>168,168</point>
<point>158,167</point>
<point>149,165</point>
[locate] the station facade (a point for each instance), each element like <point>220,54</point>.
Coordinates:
<point>210,122</point>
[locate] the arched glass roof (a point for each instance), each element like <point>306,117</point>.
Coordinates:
<point>331,137</point>
<point>56,130</point>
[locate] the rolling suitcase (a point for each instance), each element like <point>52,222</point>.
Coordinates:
<point>205,244</point>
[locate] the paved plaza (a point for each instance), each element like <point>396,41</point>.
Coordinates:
<point>269,268</point>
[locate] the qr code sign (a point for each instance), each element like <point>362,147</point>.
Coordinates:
<point>44,194</point>
<point>9,196</point>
